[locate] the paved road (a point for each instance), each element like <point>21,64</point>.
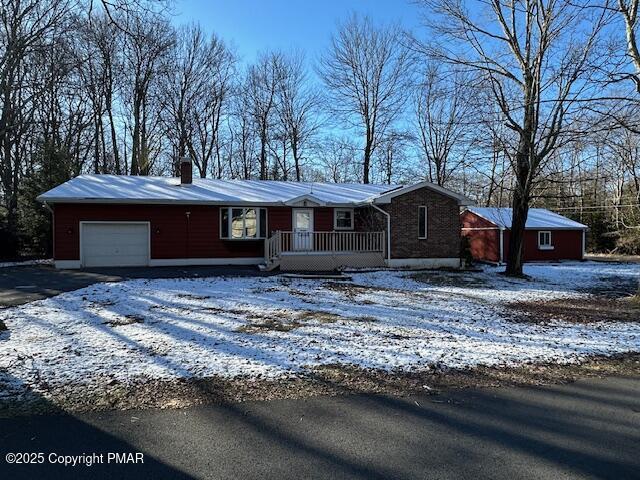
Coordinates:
<point>27,283</point>
<point>590,429</point>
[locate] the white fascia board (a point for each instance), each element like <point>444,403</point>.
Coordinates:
<point>136,201</point>
<point>551,227</point>
<point>119,201</point>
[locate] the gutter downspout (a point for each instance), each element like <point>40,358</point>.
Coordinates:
<point>388,230</point>
<point>501,261</point>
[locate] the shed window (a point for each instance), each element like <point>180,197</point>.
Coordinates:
<point>343,219</point>
<point>422,222</point>
<point>243,223</point>
<point>544,240</point>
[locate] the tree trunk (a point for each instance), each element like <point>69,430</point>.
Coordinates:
<point>296,159</point>
<point>366,162</point>
<point>520,208</point>
<point>263,155</point>
<point>516,238</point>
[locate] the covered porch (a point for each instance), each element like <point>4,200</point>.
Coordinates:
<point>324,251</point>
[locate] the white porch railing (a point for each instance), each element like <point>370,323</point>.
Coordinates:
<point>325,242</point>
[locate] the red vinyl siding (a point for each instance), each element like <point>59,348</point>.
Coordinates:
<point>172,235</point>
<point>279,219</point>
<point>323,219</point>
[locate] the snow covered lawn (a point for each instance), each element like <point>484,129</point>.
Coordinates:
<point>267,327</point>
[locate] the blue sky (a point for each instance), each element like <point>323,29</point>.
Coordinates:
<point>253,25</point>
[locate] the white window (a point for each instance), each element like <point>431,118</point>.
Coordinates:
<point>422,222</point>
<point>544,240</point>
<point>238,223</point>
<point>343,219</point>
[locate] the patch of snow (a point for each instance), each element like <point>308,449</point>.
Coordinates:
<point>173,328</point>
<point>24,263</point>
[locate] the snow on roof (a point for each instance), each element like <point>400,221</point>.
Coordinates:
<point>537,218</point>
<point>142,189</point>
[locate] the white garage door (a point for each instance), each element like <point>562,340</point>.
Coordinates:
<point>115,244</point>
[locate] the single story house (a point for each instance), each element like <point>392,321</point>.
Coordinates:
<point>114,220</point>
<point>548,236</point>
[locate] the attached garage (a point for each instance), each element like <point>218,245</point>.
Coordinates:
<point>114,244</point>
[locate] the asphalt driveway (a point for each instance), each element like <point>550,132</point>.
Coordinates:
<point>589,429</point>
<point>24,284</point>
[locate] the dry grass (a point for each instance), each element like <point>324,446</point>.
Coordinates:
<point>126,320</point>
<point>269,325</point>
<point>291,320</point>
<point>449,279</point>
<point>581,310</point>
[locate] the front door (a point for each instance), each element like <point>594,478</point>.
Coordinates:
<point>303,229</point>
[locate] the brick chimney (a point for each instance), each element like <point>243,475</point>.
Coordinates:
<point>186,171</point>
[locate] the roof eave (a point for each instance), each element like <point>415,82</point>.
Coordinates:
<point>386,197</point>
<point>137,201</point>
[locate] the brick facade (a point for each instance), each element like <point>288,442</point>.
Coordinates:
<point>443,225</point>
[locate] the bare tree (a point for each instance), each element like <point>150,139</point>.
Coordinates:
<point>244,139</point>
<point>104,44</point>
<point>629,11</point>
<point>392,153</point>
<point>298,108</point>
<point>443,117</point>
<point>25,25</point>
<point>536,57</point>
<point>367,73</point>
<point>146,48</point>
<point>262,83</point>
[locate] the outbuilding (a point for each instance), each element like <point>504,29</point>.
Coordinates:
<point>548,235</point>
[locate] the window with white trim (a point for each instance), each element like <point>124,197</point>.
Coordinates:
<point>544,240</point>
<point>343,219</point>
<point>239,223</point>
<point>422,222</point>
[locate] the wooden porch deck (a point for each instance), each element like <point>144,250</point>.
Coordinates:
<point>324,251</point>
